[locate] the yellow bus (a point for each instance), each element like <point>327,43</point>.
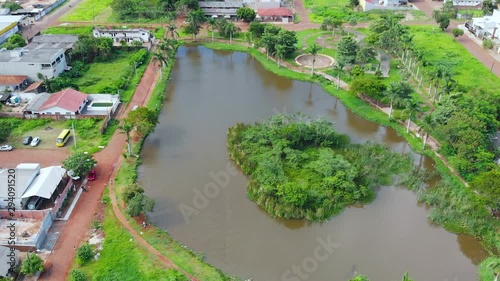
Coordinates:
<point>63,137</point>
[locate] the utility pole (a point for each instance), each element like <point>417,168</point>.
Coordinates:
<point>74,135</point>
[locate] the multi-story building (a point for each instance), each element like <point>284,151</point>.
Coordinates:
<point>48,62</point>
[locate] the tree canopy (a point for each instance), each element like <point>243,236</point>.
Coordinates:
<point>80,163</point>
<point>301,168</point>
<point>246,14</point>
<point>32,264</point>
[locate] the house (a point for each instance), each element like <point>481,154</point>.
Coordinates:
<point>369,5</point>
<point>275,14</point>
<point>35,88</point>
<point>127,35</point>
<point>485,27</point>
<point>67,102</point>
<point>49,62</point>
<point>9,25</point>
<point>9,258</point>
<point>13,82</point>
<point>31,181</point>
<point>466,3</point>
<point>226,9</point>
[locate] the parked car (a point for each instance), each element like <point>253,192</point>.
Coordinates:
<point>27,140</point>
<point>5,147</point>
<point>92,175</point>
<point>35,141</point>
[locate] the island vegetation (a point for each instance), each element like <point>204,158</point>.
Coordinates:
<point>301,168</point>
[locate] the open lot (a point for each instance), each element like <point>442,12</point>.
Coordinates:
<point>88,10</point>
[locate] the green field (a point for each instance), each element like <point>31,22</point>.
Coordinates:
<point>440,49</point>
<point>77,30</point>
<point>88,10</point>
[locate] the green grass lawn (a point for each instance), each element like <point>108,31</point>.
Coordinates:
<point>87,10</point>
<point>108,74</point>
<point>440,49</point>
<point>77,30</point>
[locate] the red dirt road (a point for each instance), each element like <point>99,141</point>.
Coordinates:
<point>46,157</point>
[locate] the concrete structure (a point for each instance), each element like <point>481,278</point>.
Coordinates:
<point>13,82</point>
<point>30,230</point>
<point>127,35</point>
<point>96,102</point>
<point>65,102</point>
<point>6,257</point>
<point>52,41</point>
<point>226,9</point>
<point>9,25</point>
<point>30,181</point>
<point>49,62</point>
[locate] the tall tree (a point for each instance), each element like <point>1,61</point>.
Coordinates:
<point>79,164</point>
<point>397,92</point>
<point>339,65</point>
<point>195,19</point>
<point>246,14</point>
<point>126,128</point>
<point>411,107</point>
<point>213,24</point>
<point>347,50</point>
<point>172,30</point>
<point>279,53</point>
<point>313,50</point>
<point>488,186</point>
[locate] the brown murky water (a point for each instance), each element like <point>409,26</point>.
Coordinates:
<point>202,201</point>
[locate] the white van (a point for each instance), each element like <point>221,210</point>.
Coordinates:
<point>34,203</point>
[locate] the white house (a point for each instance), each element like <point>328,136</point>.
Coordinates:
<point>30,180</point>
<point>9,25</point>
<point>49,62</point>
<point>466,3</point>
<point>13,82</point>
<point>127,35</point>
<point>66,102</point>
<point>486,26</point>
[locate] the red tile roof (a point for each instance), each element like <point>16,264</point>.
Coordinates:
<point>275,12</point>
<point>12,79</point>
<point>68,99</point>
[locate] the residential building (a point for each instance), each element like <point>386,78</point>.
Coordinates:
<point>485,27</point>
<point>67,102</point>
<point>369,5</point>
<point>13,82</point>
<point>9,25</point>
<point>466,3</point>
<point>32,14</point>
<point>127,35</point>
<point>282,14</point>
<point>49,62</point>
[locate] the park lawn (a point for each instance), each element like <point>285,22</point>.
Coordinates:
<point>467,70</point>
<point>76,30</point>
<point>87,10</point>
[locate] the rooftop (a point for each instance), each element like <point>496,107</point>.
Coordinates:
<point>19,55</point>
<point>275,12</point>
<point>127,30</point>
<point>7,80</point>
<point>69,99</point>
<point>37,102</point>
<point>55,38</point>
<point>11,19</point>
<point>33,86</point>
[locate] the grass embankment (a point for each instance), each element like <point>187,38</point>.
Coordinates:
<point>88,10</point>
<point>121,257</point>
<point>454,208</point>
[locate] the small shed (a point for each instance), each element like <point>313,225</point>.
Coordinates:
<point>13,82</point>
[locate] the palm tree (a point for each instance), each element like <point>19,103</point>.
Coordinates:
<point>448,85</point>
<point>230,29</point>
<point>427,124</point>
<point>126,128</point>
<point>195,18</point>
<point>268,40</point>
<point>396,93</point>
<point>412,107</point>
<point>159,57</point>
<point>438,74</point>
<point>212,23</point>
<point>279,53</point>
<point>314,51</point>
<point>172,30</point>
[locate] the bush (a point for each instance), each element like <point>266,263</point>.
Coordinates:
<point>488,44</point>
<point>84,253</point>
<point>130,191</point>
<point>32,264</point>
<point>77,275</point>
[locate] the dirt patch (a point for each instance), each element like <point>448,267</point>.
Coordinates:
<point>47,135</point>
